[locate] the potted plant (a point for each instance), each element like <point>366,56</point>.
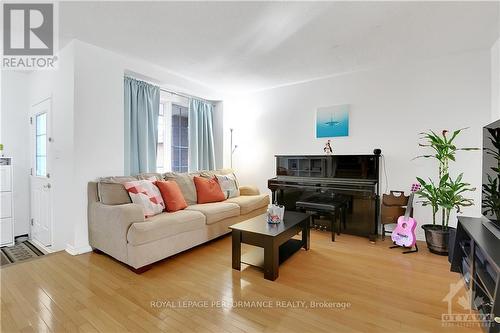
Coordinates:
<point>447,193</point>
<point>491,190</point>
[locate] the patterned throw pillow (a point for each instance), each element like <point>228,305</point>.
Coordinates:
<point>228,185</point>
<point>147,195</point>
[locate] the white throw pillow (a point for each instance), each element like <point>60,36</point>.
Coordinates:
<point>228,185</point>
<point>147,195</point>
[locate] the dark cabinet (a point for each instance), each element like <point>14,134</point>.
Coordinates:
<point>476,256</point>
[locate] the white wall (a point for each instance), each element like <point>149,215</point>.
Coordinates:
<point>389,107</point>
<point>495,81</point>
<point>15,129</point>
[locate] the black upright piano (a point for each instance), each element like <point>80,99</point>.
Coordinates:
<point>353,178</point>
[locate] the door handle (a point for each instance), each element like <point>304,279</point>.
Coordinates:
<point>47,186</point>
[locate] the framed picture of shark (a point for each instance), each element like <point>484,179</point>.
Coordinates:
<point>332,121</point>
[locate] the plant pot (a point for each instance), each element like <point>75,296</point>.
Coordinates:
<point>437,238</point>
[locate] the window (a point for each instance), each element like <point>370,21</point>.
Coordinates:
<point>180,141</point>
<point>173,135</point>
<point>41,145</point>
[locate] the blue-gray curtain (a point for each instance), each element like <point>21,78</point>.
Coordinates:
<point>201,136</point>
<point>142,104</point>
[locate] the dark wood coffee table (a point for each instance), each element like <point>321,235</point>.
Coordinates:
<point>275,241</point>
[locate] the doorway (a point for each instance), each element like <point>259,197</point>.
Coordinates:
<point>40,182</point>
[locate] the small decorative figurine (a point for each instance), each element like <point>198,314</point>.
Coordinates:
<point>328,148</point>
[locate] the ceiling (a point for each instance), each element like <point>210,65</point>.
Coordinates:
<point>244,46</point>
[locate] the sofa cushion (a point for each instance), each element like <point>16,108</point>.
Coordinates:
<point>216,211</point>
<point>149,175</point>
<point>117,179</point>
<point>164,225</point>
<point>211,173</point>
<point>250,203</point>
<point>110,190</point>
<point>186,184</point>
<point>248,190</point>
<point>112,194</point>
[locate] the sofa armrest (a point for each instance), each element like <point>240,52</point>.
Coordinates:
<point>109,224</point>
<point>122,216</point>
<point>249,190</point>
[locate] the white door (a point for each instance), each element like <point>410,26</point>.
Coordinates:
<point>41,203</point>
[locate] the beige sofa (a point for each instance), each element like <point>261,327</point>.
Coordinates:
<point>118,228</point>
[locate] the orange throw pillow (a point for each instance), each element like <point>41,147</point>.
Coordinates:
<point>172,195</point>
<point>208,190</point>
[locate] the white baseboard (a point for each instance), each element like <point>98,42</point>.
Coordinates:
<point>41,246</point>
<point>74,251</point>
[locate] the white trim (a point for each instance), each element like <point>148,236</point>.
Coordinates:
<point>74,251</point>
<point>40,245</point>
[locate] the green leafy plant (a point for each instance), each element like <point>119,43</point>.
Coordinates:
<point>430,193</point>
<point>491,190</point>
<point>451,196</point>
<point>443,146</point>
<point>447,193</point>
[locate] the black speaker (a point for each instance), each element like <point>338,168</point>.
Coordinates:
<point>377,151</point>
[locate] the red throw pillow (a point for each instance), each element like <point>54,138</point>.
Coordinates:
<point>208,190</point>
<point>172,195</point>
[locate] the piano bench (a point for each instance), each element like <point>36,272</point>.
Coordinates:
<point>335,210</point>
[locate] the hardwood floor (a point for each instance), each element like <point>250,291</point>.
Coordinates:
<point>386,290</point>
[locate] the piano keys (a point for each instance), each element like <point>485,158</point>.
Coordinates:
<point>351,178</point>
